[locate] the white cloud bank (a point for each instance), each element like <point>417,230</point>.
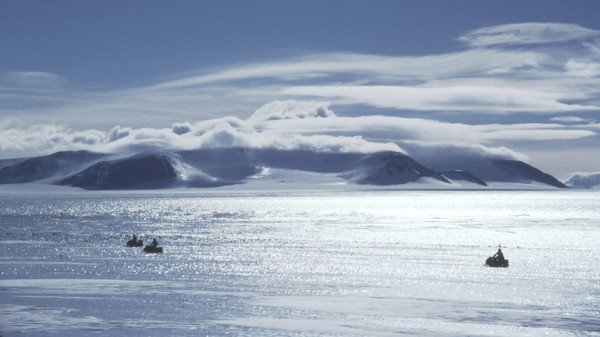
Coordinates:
<point>261,130</point>
<point>289,125</point>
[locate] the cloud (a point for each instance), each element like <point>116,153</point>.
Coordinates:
<point>582,68</point>
<point>440,152</point>
<point>527,33</point>
<point>19,141</point>
<point>570,119</point>
<point>33,79</point>
<point>543,133</point>
<point>362,67</point>
<point>181,128</point>
<point>449,98</point>
<point>298,125</point>
<point>117,133</point>
<point>393,129</point>
<point>256,132</point>
<point>509,85</point>
<point>292,110</point>
<point>475,80</point>
<point>474,158</point>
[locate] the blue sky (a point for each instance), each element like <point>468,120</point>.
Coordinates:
<point>514,76</point>
<point>123,43</point>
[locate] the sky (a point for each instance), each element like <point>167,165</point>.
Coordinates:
<point>512,78</point>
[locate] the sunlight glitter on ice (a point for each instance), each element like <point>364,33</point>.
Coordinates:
<point>263,263</point>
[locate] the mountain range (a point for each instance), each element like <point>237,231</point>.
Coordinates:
<point>227,166</point>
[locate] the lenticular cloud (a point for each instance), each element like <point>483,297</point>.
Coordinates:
<point>279,125</point>
<point>255,132</point>
<point>292,110</point>
<point>527,33</point>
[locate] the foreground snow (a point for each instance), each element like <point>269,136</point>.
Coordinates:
<point>301,263</point>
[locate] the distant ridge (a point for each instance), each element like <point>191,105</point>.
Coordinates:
<point>225,166</point>
<point>45,166</point>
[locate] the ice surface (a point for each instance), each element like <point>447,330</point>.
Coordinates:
<point>303,263</point>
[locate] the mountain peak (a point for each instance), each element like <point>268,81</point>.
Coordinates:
<point>130,172</point>
<point>527,172</point>
<point>390,168</point>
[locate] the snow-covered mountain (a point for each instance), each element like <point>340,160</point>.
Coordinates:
<point>585,180</point>
<point>521,172</point>
<point>226,166</point>
<point>37,168</point>
<point>141,171</point>
<point>11,161</point>
<point>389,168</point>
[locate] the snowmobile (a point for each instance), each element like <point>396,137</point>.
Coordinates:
<point>135,242</point>
<point>496,262</point>
<point>152,248</point>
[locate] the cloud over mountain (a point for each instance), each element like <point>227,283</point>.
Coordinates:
<point>227,166</point>
<point>283,125</point>
<point>289,125</point>
<point>518,86</point>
